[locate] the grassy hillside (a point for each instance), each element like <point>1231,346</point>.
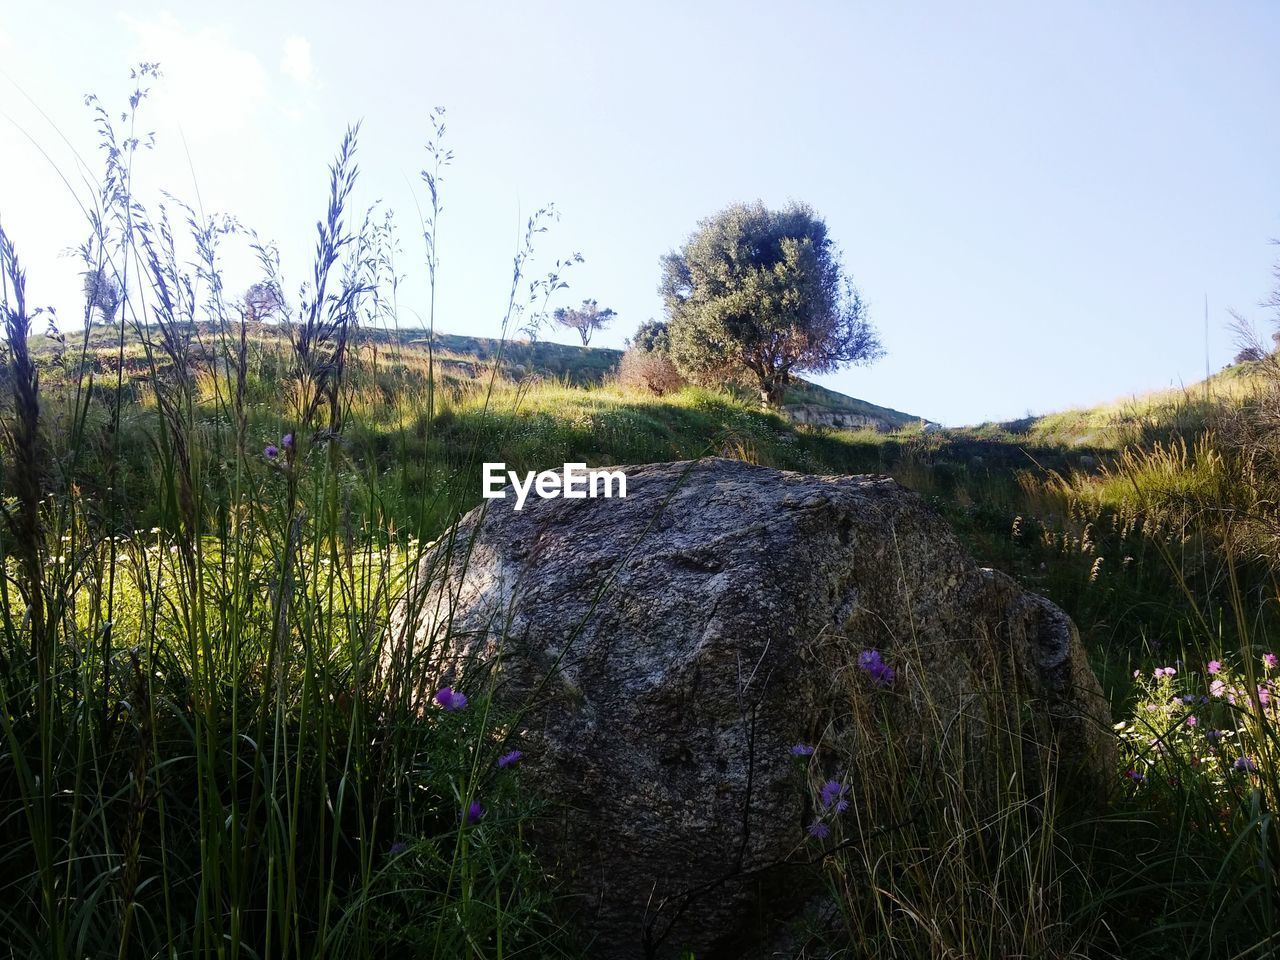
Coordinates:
<point>1138,419</point>
<point>467,357</point>
<point>1022,493</point>
<point>580,366</point>
<point>419,439</point>
<point>812,393</point>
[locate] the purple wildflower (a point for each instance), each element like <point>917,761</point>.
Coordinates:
<point>475,811</point>
<point>1215,666</point>
<point>802,750</point>
<point>270,452</point>
<point>1269,661</point>
<point>1245,765</point>
<point>398,848</point>
<point>507,759</point>
<point>1192,721</point>
<point>1135,776</point>
<point>1217,688</point>
<point>873,663</point>
<point>832,794</point>
<point>287,441</point>
<point>1163,673</point>
<point>819,830</point>
<point>451,699</point>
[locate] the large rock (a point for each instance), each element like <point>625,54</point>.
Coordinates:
<point>671,648</point>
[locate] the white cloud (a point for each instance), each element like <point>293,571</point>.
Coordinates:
<point>208,85</point>
<point>296,61</point>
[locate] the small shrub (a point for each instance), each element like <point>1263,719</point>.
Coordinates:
<point>649,372</point>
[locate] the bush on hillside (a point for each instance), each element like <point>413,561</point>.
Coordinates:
<point>649,371</point>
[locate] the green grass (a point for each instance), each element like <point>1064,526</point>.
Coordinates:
<point>206,745</point>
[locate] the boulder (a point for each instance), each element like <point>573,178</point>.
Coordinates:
<point>666,651</point>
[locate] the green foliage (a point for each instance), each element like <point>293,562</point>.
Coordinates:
<point>761,294</point>
<point>651,336</point>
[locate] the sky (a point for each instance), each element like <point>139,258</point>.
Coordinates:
<point>1035,200</point>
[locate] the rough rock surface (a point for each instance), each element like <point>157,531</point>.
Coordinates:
<point>672,646</point>
<point>836,419</point>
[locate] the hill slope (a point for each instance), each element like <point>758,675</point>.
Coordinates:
<point>586,366</point>
<point>1139,419</point>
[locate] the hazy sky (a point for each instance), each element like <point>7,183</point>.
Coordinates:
<point>1034,198</point>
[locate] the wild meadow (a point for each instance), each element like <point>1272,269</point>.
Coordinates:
<point>214,498</point>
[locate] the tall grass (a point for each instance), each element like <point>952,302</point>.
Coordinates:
<point>1179,528</point>
<point>201,756</point>
<point>958,841</point>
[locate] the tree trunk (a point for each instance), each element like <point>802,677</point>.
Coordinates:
<point>773,391</point>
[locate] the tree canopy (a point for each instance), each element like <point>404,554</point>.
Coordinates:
<point>262,300</point>
<point>759,295</point>
<point>586,319</point>
<point>651,337</point>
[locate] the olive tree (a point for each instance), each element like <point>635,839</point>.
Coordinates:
<point>262,301</point>
<point>586,319</point>
<point>759,295</point>
<point>651,337</point>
